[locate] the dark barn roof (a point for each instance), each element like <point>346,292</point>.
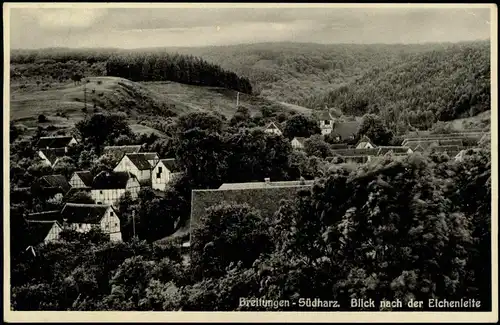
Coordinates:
<point>170,164</point>
<point>111,180</point>
<point>139,160</point>
<point>264,198</point>
<point>44,216</point>
<point>345,129</point>
<point>86,177</point>
<point>54,142</point>
<point>37,231</point>
<point>83,213</point>
<point>119,151</point>
<point>55,181</point>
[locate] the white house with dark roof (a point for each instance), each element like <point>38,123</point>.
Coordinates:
<point>137,164</point>
<point>52,187</point>
<point>298,142</point>
<point>84,217</point>
<point>365,143</point>
<point>326,121</point>
<point>163,173</point>
<point>273,128</point>
<point>42,231</point>
<point>109,187</point>
<point>81,179</point>
<point>119,151</point>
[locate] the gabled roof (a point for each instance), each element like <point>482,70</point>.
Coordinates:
<point>170,164</point>
<point>55,181</point>
<point>54,141</point>
<point>85,176</point>
<point>119,151</point>
<point>356,152</point>
<point>364,141</point>
<point>53,154</point>
<point>339,146</point>
<point>140,161</point>
<point>37,231</point>
<point>264,198</point>
<point>111,180</point>
<point>273,125</point>
<point>346,129</point>
<point>84,213</point>
<point>44,216</point>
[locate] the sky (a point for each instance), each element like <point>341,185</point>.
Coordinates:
<point>196,26</point>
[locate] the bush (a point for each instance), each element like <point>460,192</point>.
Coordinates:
<point>42,118</point>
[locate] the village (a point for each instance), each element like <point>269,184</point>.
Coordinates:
<point>136,170</point>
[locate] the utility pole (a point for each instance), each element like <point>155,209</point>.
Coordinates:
<point>237,99</point>
<point>133,221</point>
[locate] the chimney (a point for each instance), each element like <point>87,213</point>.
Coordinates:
<point>267,180</point>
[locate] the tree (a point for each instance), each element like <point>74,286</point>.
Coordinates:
<point>42,118</point>
<point>101,129</point>
<point>300,126</point>
<point>316,146</point>
<point>201,120</point>
<point>80,197</point>
<point>373,127</point>
<point>227,225</point>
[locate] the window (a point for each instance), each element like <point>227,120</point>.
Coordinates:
<point>159,170</point>
<point>158,175</point>
<point>100,192</point>
<point>116,224</point>
<point>327,122</point>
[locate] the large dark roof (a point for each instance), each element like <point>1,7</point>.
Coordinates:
<point>44,216</point>
<point>37,231</point>
<point>53,154</point>
<point>55,181</point>
<point>86,177</point>
<point>119,151</point>
<point>170,164</point>
<point>83,213</point>
<point>267,199</point>
<point>140,161</point>
<point>345,129</point>
<point>356,152</point>
<point>395,149</point>
<point>54,142</point>
<point>324,115</point>
<point>111,180</point>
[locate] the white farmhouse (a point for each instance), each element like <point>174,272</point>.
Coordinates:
<point>109,187</point>
<point>298,142</point>
<point>137,164</point>
<point>273,128</point>
<point>365,143</point>
<point>56,142</point>
<point>42,231</point>
<point>81,179</point>
<point>326,122</point>
<point>164,171</point>
<point>84,217</point>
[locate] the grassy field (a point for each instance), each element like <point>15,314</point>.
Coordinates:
<point>63,103</point>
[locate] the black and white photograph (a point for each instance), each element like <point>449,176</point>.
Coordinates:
<point>281,160</point>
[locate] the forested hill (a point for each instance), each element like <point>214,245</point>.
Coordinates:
<point>137,65</point>
<point>293,72</point>
<point>445,84</point>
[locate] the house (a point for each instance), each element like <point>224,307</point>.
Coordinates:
<point>137,164</point>
<point>264,196</point>
<point>273,128</point>
<point>365,143</point>
<point>42,231</point>
<point>81,179</point>
<point>298,142</point>
<point>52,187</point>
<point>56,142</point>
<point>164,171</point>
<point>326,121</point>
<point>119,151</point>
<point>51,157</point>
<point>344,131</point>
<point>83,217</point>
<point>108,187</point>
